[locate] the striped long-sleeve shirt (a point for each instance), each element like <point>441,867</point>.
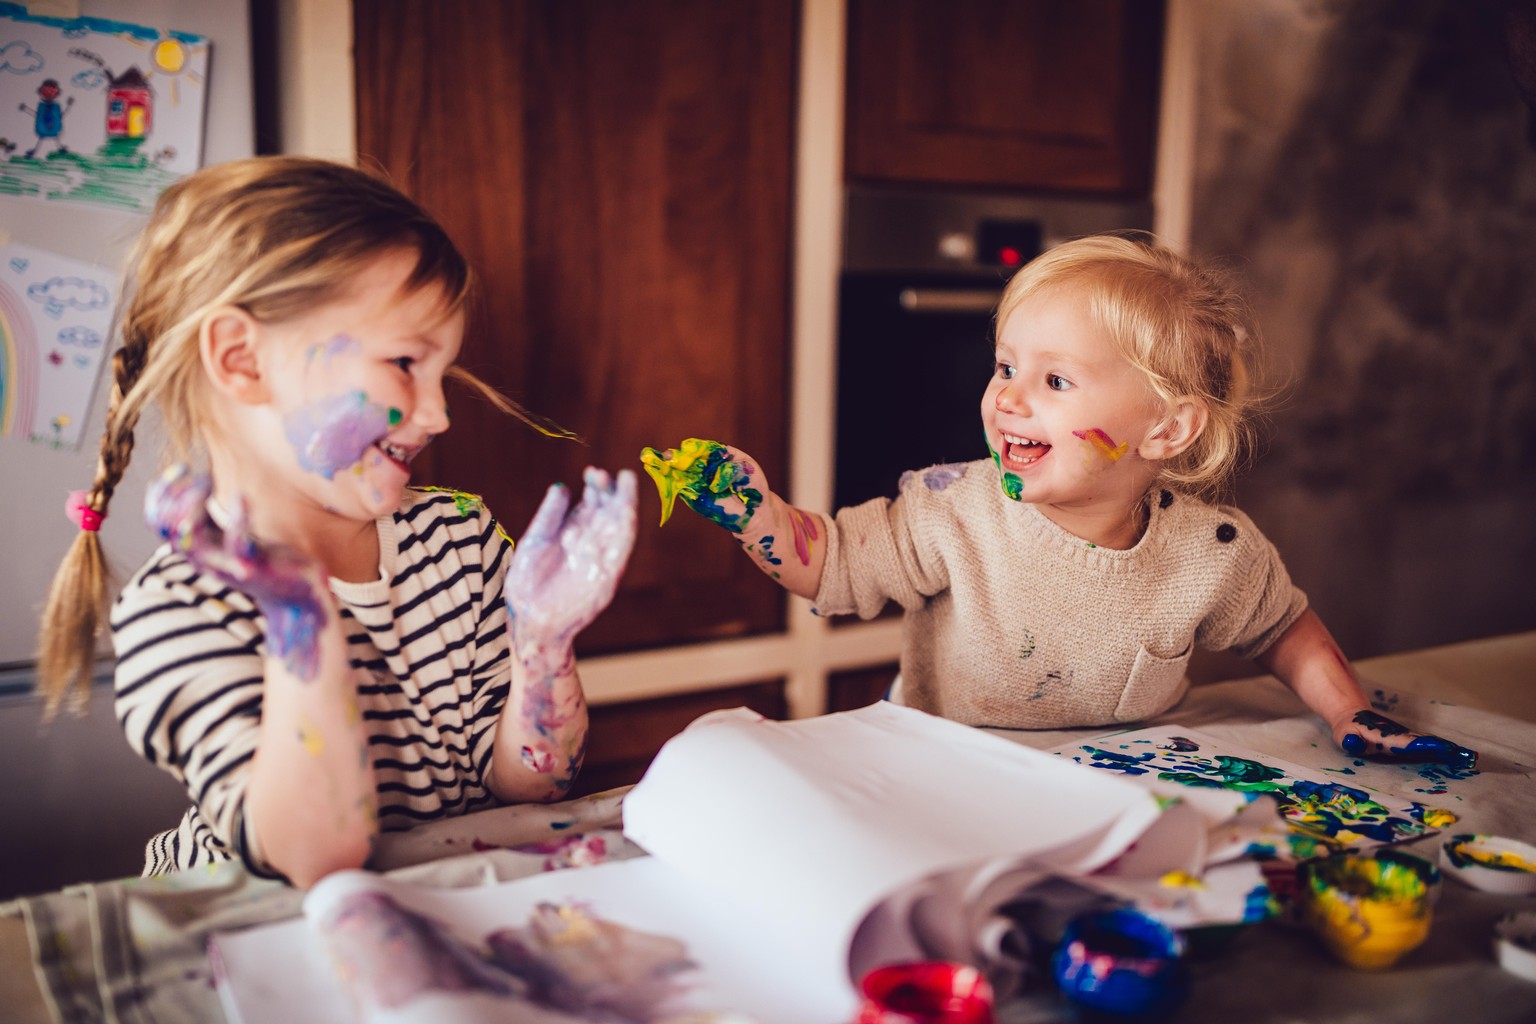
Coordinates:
<point>427,642</point>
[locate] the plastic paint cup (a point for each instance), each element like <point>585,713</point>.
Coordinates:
<point>1121,963</point>
<point>1491,863</point>
<point>1369,911</point>
<point>925,992</point>
<point>1515,944</point>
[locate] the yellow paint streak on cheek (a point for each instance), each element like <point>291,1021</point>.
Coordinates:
<point>1102,443</point>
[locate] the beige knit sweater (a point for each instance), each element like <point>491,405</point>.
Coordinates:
<point>1012,621</point>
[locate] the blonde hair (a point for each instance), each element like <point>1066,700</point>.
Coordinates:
<point>274,236</point>
<point>1182,323</point>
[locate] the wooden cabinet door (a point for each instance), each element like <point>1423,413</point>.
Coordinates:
<point>1023,94</point>
<point>618,172</point>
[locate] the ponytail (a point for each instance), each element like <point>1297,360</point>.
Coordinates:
<point>78,595</point>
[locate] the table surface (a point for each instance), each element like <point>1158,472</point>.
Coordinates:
<point>1478,693</point>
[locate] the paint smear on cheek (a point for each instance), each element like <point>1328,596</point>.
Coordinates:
<point>1102,444</point>
<point>335,432</point>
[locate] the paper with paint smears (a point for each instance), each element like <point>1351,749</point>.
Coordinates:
<point>1321,813</point>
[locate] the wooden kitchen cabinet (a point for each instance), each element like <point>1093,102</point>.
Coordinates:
<point>1035,95</point>
<point>619,175</point>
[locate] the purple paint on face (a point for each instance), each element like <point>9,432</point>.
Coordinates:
<point>334,433</point>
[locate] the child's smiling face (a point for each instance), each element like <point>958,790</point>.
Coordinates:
<point>357,388</point>
<point>1065,414</point>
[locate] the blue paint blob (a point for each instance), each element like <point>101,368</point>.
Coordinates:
<point>1121,962</point>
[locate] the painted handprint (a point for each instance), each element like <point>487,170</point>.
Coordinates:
<point>1379,736</point>
<point>283,583</point>
<point>718,482</point>
<point>564,571</point>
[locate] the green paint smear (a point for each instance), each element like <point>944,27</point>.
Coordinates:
<point>702,473</point>
<point>1013,484</point>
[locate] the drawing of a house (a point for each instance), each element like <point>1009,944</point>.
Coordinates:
<point>129,106</point>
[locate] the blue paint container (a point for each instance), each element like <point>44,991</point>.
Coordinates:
<point>1121,963</point>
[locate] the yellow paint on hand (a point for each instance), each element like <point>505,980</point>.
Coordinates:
<point>676,471</point>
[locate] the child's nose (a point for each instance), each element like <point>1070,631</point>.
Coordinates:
<point>431,412</point>
<point>1011,399</point>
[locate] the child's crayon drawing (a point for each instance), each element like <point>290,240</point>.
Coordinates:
<point>55,315</point>
<point>97,111</point>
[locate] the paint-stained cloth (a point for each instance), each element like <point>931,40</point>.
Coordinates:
<point>1013,622</point>
<point>427,642</point>
<point>136,949</point>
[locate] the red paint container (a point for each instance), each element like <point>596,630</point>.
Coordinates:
<point>932,992</point>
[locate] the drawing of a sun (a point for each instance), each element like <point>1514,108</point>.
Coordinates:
<point>168,58</point>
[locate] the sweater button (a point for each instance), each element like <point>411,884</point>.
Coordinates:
<point>1225,532</point>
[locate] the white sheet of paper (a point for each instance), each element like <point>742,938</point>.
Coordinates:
<point>282,973</point>
<point>840,812</point>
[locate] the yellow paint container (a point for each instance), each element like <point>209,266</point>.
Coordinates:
<point>1369,912</point>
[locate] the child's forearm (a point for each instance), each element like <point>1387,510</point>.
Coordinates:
<point>1307,659</point>
<point>541,735</point>
<point>311,800</point>
<point>787,543</point>
<point>729,488</point>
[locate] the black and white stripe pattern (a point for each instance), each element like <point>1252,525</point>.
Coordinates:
<point>428,648</point>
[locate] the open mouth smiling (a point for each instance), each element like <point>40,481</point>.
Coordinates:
<point>1023,451</point>
<point>398,453</point>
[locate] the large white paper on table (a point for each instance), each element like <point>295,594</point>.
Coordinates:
<point>787,859</point>
<point>847,811</point>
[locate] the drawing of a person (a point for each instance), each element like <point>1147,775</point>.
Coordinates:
<point>49,123</point>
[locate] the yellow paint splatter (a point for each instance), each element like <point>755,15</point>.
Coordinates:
<point>1181,880</point>
<point>1103,443</point>
<point>314,743</point>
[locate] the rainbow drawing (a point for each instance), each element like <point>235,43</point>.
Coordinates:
<point>18,366</point>
<point>55,318</point>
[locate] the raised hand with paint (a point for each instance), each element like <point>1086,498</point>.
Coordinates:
<point>1065,580</point>
<point>319,651</point>
<point>727,487</point>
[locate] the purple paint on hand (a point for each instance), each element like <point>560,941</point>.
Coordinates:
<point>279,580</point>
<point>563,572</point>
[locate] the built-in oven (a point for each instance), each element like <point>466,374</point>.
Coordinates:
<point>921,276</point>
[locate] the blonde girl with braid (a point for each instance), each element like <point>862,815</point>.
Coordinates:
<point>1065,580</point>
<point>318,651</point>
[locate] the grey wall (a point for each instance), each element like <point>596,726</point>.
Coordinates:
<point>77,803</point>
<point>1373,164</point>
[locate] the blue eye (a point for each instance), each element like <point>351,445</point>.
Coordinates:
<point>1056,382</point>
<point>1005,371</point>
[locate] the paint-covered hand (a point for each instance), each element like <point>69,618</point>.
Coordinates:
<point>720,483</point>
<point>567,565</point>
<point>1369,734</point>
<point>287,587</point>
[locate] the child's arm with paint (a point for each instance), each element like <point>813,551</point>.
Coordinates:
<point>1307,659</point>
<point>563,572</point>
<point>727,487</point>
<point>309,801</point>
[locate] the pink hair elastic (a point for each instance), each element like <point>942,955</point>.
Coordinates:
<point>81,514</point>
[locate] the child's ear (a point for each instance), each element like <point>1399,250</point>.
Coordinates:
<point>1180,427</point>
<point>227,343</point>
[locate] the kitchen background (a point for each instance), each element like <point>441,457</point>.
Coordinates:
<point>655,193</point>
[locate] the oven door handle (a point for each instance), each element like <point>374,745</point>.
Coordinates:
<point>968,301</point>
